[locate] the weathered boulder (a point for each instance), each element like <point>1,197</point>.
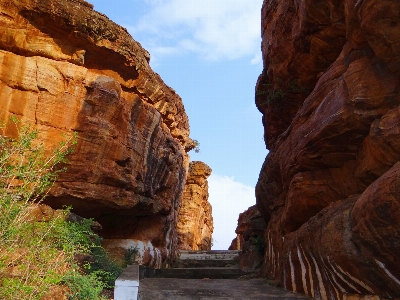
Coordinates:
<point>236,243</point>
<point>195,222</point>
<point>65,67</point>
<point>328,189</point>
<point>244,221</point>
<point>250,232</point>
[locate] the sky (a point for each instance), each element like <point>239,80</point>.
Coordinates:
<point>208,51</point>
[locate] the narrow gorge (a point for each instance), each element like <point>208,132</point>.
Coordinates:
<point>326,221</point>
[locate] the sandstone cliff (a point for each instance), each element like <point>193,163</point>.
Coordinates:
<point>195,221</point>
<point>330,187</point>
<point>65,67</point>
<point>250,231</point>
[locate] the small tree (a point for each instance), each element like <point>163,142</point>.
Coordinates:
<point>196,146</point>
<point>36,256</point>
<point>28,263</point>
<point>26,173</point>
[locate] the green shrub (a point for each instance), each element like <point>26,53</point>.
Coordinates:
<point>196,146</point>
<point>87,287</point>
<point>130,256</point>
<point>84,240</point>
<point>36,255</point>
<point>275,94</point>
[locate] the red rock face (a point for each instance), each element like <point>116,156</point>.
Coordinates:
<point>65,67</point>
<point>245,225</point>
<point>329,94</point>
<point>195,222</point>
<point>250,231</point>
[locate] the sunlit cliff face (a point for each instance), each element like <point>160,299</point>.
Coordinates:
<point>62,73</point>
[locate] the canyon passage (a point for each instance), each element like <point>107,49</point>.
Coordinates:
<point>326,222</point>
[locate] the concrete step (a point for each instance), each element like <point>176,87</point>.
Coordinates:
<point>192,273</point>
<point>208,255</point>
<point>221,289</point>
<point>202,263</point>
<point>200,273</point>
<point>214,264</point>
<point>202,259</point>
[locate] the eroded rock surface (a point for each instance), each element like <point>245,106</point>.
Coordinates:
<point>328,189</point>
<point>65,67</point>
<point>250,232</point>
<point>195,221</point>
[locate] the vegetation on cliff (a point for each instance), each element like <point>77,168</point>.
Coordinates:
<point>39,246</point>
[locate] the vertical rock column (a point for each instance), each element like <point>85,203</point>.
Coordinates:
<point>195,221</point>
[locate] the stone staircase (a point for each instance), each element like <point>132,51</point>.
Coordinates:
<point>214,264</point>
<point>210,258</point>
<point>206,275</point>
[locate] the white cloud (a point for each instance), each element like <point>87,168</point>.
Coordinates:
<point>228,198</point>
<point>256,59</point>
<point>213,29</point>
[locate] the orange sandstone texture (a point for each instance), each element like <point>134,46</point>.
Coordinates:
<point>65,67</point>
<point>195,221</point>
<point>329,188</point>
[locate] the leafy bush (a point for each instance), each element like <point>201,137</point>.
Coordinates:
<point>130,256</point>
<point>196,146</point>
<point>275,93</point>
<point>37,253</point>
<point>84,240</point>
<point>86,287</point>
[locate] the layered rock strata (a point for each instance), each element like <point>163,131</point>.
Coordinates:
<point>195,221</point>
<point>329,188</point>
<point>243,222</point>
<point>65,67</point>
<point>250,232</point>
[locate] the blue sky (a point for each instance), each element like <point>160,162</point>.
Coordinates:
<point>209,52</point>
